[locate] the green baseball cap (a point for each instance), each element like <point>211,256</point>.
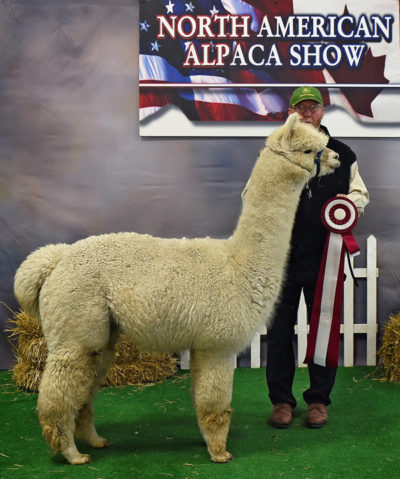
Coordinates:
<point>305,93</point>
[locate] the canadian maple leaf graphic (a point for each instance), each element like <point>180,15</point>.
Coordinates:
<point>370,71</point>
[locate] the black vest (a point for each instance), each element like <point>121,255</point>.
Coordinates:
<point>309,233</point>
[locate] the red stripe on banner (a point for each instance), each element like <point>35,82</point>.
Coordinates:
<point>154,97</point>
<point>334,338</point>
<point>272,7</point>
<point>246,76</point>
<point>228,112</point>
<point>316,309</point>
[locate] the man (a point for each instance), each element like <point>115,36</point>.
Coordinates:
<point>308,240</point>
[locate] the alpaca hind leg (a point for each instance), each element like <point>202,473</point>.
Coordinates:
<point>85,429</point>
<point>84,425</point>
<point>66,384</point>
<point>212,380</point>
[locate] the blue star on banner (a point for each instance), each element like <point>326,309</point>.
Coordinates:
<point>155,46</point>
<point>170,7</point>
<point>214,11</point>
<point>144,26</point>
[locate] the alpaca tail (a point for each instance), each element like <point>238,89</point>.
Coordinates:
<point>32,274</point>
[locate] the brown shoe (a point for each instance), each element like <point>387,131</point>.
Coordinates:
<point>281,416</point>
<point>317,415</point>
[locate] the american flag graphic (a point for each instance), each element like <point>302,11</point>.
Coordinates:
<point>161,61</point>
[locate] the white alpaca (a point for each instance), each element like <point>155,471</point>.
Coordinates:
<point>206,295</point>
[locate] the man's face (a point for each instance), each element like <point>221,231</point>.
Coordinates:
<point>310,112</point>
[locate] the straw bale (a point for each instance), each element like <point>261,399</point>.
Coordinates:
<point>389,352</point>
<point>27,377</point>
<point>130,366</point>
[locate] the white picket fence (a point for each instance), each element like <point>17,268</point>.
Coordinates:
<point>348,328</point>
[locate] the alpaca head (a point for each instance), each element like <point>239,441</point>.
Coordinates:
<point>301,143</point>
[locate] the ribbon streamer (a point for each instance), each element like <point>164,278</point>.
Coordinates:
<point>339,215</point>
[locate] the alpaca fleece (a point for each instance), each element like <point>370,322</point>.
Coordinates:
<point>206,295</point>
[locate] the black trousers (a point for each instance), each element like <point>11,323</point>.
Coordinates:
<point>280,353</point>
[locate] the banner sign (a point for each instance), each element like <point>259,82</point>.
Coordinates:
<point>239,60</point>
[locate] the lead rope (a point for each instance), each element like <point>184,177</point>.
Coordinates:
<point>317,160</point>
<point>350,267</point>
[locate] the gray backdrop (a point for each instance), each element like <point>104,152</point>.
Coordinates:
<point>72,163</point>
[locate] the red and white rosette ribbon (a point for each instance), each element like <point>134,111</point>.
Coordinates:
<point>339,215</point>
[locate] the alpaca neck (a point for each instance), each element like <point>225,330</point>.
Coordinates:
<point>261,241</point>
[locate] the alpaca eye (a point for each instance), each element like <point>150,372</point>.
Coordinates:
<point>307,152</point>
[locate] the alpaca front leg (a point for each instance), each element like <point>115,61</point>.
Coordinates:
<point>214,427</point>
<point>212,380</point>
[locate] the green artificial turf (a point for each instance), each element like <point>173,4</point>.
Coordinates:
<point>154,434</point>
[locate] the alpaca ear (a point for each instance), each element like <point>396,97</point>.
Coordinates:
<point>288,130</point>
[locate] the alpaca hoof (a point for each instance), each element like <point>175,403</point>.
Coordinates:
<point>80,459</point>
<point>222,458</point>
<point>100,443</point>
